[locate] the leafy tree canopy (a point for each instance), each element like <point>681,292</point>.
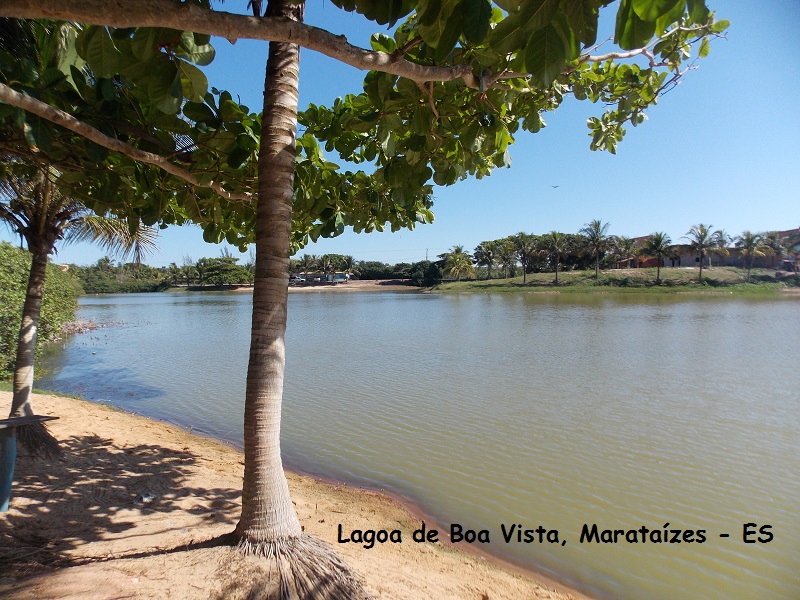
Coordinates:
<point>450,87</point>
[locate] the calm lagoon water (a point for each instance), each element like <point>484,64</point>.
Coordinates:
<point>559,411</point>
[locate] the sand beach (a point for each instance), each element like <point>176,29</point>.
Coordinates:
<point>126,511</point>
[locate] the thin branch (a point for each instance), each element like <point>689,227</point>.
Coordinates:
<point>186,16</point>
<point>59,117</point>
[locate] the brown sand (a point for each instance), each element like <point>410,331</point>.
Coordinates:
<point>357,285</point>
<point>83,527</point>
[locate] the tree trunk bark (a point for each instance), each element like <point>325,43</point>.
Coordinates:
<point>556,270</point>
<point>26,342</point>
<point>300,566</point>
<point>35,438</point>
<point>267,511</point>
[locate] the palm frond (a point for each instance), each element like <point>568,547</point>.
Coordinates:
<point>115,236</point>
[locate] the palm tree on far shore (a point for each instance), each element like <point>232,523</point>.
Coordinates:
<point>556,244</point>
<point>624,248</point>
<point>485,256</point>
<point>307,263</point>
<point>525,247</point>
<point>506,256</point>
<point>702,240</point>
<point>458,263</point>
<point>658,245</point>
<point>751,245</point>
<point>597,241</point>
<point>775,243</point>
<point>36,208</point>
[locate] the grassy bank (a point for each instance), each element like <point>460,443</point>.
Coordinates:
<point>673,280</point>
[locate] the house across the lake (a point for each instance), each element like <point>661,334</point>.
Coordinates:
<point>319,278</point>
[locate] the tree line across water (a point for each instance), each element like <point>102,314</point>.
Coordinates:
<point>511,256</point>
<point>593,247</point>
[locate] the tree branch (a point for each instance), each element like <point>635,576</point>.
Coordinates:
<point>59,117</point>
<point>190,17</point>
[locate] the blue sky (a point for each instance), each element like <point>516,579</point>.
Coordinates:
<point>723,148</point>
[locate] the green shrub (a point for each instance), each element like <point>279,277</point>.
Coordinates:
<point>58,305</point>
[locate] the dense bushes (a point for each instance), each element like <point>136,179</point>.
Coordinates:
<point>58,306</point>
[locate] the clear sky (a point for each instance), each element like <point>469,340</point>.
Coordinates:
<point>722,149</point>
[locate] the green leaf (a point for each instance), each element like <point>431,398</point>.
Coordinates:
<point>705,48</point>
<point>198,54</point>
<point>572,46</point>
<point>720,26</point>
<point>422,120</point>
<point>651,10</point>
<point>238,157</point>
<point>198,112</point>
<point>698,11</point>
<point>545,55</point>
<point>162,81</point>
<point>582,17</point>
<point>475,20</point>
<point>245,141</point>
<point>101,53</point>
<point>671,17</point>
<point>382,43</point>
<point>535,14</point>
<point>37,133</point>
<point>386,138</point>
<point>631,32</point>
<point>428,12</point>
<point>144,42</point>
<point>193,81</point>
<point>440,29</point>
<point>449,37</point>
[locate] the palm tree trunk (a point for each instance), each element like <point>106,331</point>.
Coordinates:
<point>658,269</point>
<point>556,270</point>
<point>26,342</point>
<point>701,268</point>
<point>269,525</point>
<point>34,438</point>
<point>267,511</point>
<point>597,266</point>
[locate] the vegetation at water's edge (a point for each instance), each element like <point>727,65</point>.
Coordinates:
<point>673,279</point>
<point>58,305</point>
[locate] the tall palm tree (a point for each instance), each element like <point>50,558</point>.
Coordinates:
<point>702,240</point>
<point>557,244</point>
<point>776,246</point>
<point>507,256</point>
<point>658,245</point>
<point>486,256</point>
<point>349,265</point>
<point>269,526</point>
<point>624,248</point>
<point>35,207</point>
<point>458,263</point>
<point>597,241</point>
<point>723,239</point>
<point>307,263</point>
<point>327,264</point>
<point>751,245</point>
<point>525,247</point>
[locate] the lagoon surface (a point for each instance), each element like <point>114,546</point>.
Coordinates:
<point>625,411</point>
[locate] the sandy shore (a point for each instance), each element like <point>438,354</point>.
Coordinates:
<point>357,285</point>
<point>120,518</point>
